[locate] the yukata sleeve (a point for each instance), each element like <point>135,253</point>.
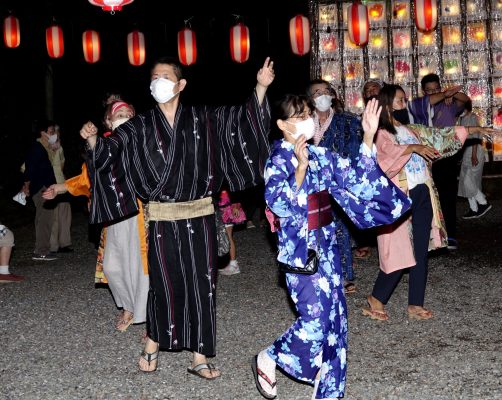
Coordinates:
<point>390,154</point>
<point>447,141</point>
<point>109,149</point>
<point>80,185</point>
<point>243,142</point>
<point>365,193</point>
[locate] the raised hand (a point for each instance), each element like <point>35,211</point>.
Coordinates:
<point>88,130</point>
<point>266,73</point>
<point>370,122</point>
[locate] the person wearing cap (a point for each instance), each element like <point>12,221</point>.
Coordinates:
<point>176,158</point>
<point>6,245</point>
<point>371,89</point>
<point>122,259</point>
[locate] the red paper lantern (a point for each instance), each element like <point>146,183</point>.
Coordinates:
<point>299,35</point>
<point>187,46</point>
<point>136,48</point>
<point>239,43</point>
<point>55,42</point>
<point>11,32</point>
<point>110,5</point>
<point>426,14</point>
<point>91,46</point>
<point>358,23</point>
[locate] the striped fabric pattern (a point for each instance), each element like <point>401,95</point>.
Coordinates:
<point>170,164</point>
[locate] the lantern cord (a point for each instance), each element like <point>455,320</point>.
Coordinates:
<point>187,21</point>
<point>237,17</point>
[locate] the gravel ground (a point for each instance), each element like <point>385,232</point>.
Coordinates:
<point>59,341</point>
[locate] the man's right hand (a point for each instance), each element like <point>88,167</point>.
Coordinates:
<point>89,132</point>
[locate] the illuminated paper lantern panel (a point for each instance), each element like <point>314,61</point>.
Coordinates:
<point>239,43</point>
<point>91,46</point>
<point>299,35</point>
<point>358,23</point>
<point>426,14</point>
<point>11,32</point>
<point>54,41</point>
<point>187,47</point>
<point>110,5</point>
<point>136,48</point>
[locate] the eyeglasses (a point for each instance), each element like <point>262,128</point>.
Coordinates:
<point>432,91</point>
<point>321,92</point>
<point>301,117</point>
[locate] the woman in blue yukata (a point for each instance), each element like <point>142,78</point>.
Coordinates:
<point>299,180</point>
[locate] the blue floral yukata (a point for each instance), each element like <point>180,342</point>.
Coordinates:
<point>317,340</point>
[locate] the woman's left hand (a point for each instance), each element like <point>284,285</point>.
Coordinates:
<point>371,117</point>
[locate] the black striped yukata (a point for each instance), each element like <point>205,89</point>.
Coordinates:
<point>175,164</point>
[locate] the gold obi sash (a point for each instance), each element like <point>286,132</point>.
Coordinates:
<point>157,211</point>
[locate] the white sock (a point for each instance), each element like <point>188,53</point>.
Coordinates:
<point>480,198</point>
<point>267,365</point>
<point>4,269</point>
<point>233,263</point>
<point>473,204</point>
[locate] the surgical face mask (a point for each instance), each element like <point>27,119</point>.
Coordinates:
<point>51,139</point>
<point>305,128</point>
<point>118,122</point>
<point>323,103</point>
<point>162,90</point>
<point>401,116</point>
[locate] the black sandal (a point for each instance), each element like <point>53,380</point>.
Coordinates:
<point>149,358</point>
<point>196,371</point>
<point>257,372</point>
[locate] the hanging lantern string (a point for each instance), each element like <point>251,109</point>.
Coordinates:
<point>187,22</point>
<point>237,17</point>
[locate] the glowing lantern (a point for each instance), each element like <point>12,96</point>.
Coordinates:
<point>110,5</point>
<point>11,32</point>
<point>299,35</point>
<point>358,23</point>
<point>136,48</point>
<point>426,14</point>
<point>91,46</point>
<point>239,43</point>
<point>54,40</point>
<point>187,46</point>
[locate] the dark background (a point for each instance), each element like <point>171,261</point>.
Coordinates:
<point>79,87</point>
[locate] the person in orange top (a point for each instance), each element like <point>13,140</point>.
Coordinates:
<point>122,256</point>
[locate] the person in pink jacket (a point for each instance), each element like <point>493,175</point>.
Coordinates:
<point>405,154</point>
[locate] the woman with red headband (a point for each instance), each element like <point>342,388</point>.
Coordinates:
<point>122,256</point>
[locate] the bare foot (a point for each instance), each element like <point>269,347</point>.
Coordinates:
<point>125,321</point>
<point>205,372</point>
<point>419,313</point>
<point>375,309</point>
<point>149,358</point>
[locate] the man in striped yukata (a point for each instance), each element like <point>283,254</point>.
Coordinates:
<point>176,158</point>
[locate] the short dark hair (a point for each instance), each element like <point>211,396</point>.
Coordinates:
<point>173,62</point>
<point>43,124</point>
<point>428,79</point>
<point>385,99</point>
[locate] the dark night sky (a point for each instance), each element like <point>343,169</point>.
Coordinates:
<point>79,87</point>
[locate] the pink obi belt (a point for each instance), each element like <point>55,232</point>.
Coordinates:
<point>320,213</point>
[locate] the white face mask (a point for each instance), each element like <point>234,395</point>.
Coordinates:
<point>323,103</point>
<point>52,139</point>
<point>162,90</point>
<point>118,122</point>
<point>305,128</point>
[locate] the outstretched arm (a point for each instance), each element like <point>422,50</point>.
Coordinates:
<point>264,78</point>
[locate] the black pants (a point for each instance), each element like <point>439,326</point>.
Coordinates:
<point>421,219</point>
<point>444,173</point>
